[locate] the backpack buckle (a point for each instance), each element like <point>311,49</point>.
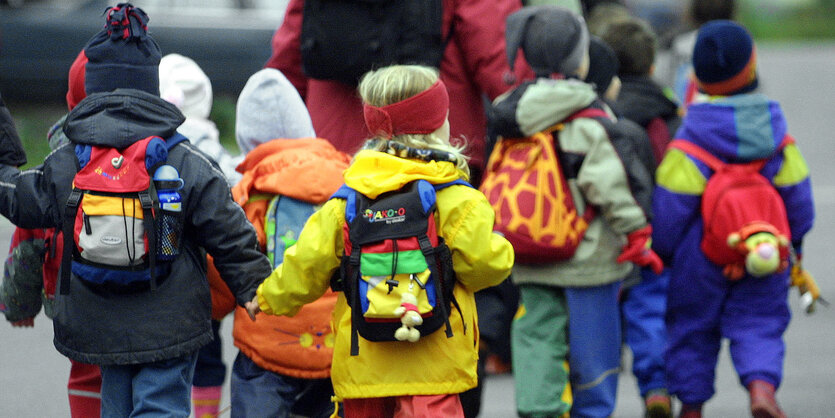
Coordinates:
<point>74,199</point>
<point>145,199</point>
<point>354,258</point>
<point>425,245</point>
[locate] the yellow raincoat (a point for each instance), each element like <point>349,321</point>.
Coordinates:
<point>435,364</point>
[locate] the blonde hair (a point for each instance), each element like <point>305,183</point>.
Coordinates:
<point>395,83</point>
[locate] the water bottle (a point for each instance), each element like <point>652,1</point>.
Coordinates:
<point>168,183</point>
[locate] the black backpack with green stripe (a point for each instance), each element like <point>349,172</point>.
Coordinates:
<point>392,248</point>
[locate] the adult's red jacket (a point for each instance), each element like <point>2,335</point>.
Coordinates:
<point>474,64</point>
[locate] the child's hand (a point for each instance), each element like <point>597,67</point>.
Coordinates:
<point>808,287</point>
<point>24,323</point>
<point>252,308</point>
<point>637,250</point>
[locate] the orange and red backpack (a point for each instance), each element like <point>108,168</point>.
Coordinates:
<point>526,185</point>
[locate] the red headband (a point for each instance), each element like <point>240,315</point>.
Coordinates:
<point>422,113</point>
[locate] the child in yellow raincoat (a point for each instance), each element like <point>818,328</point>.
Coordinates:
<point>406,108</point>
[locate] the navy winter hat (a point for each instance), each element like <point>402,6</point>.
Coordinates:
<point>603,64</point>
<point>725,59</point>
<point>123,54</point>
<point>554,39</point>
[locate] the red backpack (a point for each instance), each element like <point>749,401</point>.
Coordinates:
<point>736,195</point>
<point>117,232</point>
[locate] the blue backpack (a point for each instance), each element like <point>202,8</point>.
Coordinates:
<point>284,221</point>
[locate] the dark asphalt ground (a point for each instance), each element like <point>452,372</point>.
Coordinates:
<point>33,375</point>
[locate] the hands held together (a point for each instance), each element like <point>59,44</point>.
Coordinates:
<point>252,308</point>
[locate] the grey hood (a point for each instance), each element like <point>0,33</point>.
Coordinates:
<point>268,108</point>
<point>120,118</point>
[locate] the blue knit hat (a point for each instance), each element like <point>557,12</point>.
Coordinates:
<point>725,59</point>
<point>123,54</point>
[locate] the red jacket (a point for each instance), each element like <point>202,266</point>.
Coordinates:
<point>474,62</point>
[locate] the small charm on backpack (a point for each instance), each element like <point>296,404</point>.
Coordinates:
<point>396,270</point>
<point>764,248</point>
<point>409,317</point>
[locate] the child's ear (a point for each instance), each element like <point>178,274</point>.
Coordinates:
<point>583,71</point>
<point>651,69</point>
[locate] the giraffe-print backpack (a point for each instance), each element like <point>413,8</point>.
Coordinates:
<point>527,186</point>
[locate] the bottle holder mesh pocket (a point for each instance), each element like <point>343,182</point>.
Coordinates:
<point>169,231</point>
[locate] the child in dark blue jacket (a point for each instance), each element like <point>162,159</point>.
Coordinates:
<point>144,339</point>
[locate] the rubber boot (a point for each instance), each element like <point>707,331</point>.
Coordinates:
<point>206,401</point>
<point>658,404</point>
<point>763,403</point>
<point>690,411</point>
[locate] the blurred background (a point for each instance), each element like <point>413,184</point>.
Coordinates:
<point>39,39</point>
<point>230,40</point>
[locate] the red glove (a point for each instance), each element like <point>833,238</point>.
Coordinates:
<point>638,251</point>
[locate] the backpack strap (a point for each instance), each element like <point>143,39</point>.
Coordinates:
<point>148,220</point>
<point>70,212</point>
<point>342,192</point>
<point>447,282</point>
<point>338,278</point>
<point>787,140</point>
<point>432,262</point>
<point>698,153</point>
<point>458,182</point>
<point>587,112</point>
<point>350,265</point>
<point>447,279</point>
<point>715,163</point>
<point>174,140</point>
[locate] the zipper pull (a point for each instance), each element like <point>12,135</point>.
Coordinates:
<point>420,283</point>
<point>87,227</point>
